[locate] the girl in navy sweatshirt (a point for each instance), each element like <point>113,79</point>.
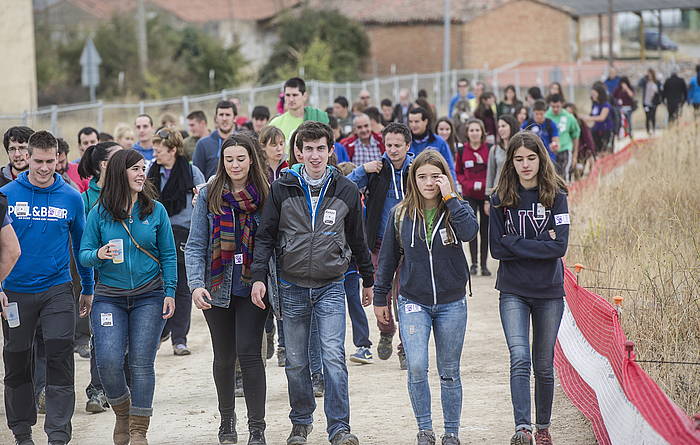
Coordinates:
<point>427,229</point>
<point>529,233</point>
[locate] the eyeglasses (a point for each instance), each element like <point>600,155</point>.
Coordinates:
<point>18,150</point>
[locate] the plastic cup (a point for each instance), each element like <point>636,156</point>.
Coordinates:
<point>12,313</point>
<point>119,249</point>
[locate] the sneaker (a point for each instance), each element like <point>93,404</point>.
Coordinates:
<point>281,357</point>
<point>41,402</point>
<point>345,438</point>
<point>257,437</point>
<point>485,272</point>
<point>239,385</point>
<point>24,439</point>
<point>384,348</point>
<point>299,434</point>
<point>318,384</point>
<point>227,430</point>
<point>97,403</point>
<point>522,437</point>
<point>425,437</point>
<point>542,437</point>
<point>181,349</point>
<point>402,360</point>
<point>270,343</point>
<point>362,356</point>
<point>473,270</point>
<point>83,350</point>
<point>450,439</point>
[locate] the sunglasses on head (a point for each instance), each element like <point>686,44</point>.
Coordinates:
<point>164,133</point>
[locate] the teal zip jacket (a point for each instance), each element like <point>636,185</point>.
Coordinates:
<point>153,234</point>
<point>91,196</point>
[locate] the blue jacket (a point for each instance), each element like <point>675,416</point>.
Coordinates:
<point>341,153</point>
<point>531,263</point>
<point>394,194</point>
<point>436,143</point>
<point>694,90</point>
<point>146,152</point>
<point>153,233</point>
<point>456,98</point>
<point>206,154</point>
<point>46,221</point>
<point>429,275</point>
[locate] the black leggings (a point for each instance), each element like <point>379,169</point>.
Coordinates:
<point>238,329</point>
<point>478,207</point>
<point>650,112</point>
<point>601,138</point>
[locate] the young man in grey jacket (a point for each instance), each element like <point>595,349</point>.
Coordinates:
<point>313,219</point>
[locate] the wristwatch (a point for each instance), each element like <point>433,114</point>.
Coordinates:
<point>450,196</point>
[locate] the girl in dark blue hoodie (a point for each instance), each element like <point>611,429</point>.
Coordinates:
<point>529,233</point>
<point>427,229</point>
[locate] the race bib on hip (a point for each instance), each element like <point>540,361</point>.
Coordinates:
<point>106,319</point>
<point>410,307</point>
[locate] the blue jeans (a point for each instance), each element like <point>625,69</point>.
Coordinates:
<point>135,323</point>
<point>360,327</point>
<point>449,323</point>
<point>327,306</point>
<point>546,316</point>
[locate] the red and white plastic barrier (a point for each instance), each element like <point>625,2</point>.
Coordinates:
<point>599,375</point>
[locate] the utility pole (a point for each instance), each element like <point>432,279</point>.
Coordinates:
<point>611,56</point>
<point>446,48</point>
<point>142,37</point>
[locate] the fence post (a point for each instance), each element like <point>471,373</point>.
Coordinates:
<point>540,80</point>
<point>396,87</point>
<point>331,88</point>
<point>414,86</point>
<point>25,118</point>
<point>223,94</point>
<point>494,81</point>
<point>100,114</point>
<point>142,108</point>
<point>517,82</point>
<point>251,102</point>
<point>185,105</point>
<point>54,119</point>
<point>377,93</point>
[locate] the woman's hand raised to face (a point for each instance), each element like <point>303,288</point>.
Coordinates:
<point>444,183</point>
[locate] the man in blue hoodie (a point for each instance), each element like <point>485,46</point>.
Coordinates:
<point>48,217</point>
<point>384,182</point>
<point>208,149</point>
<point>144,130</point>
<point>423,137</point>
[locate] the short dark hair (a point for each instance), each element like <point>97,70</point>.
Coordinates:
<point>104,137</point>
<point>261,112</point>
<point>539,105</point>
<point>535,92</point>
<point>386,103</point>
<point>150,119</point>
<point>296,82</point>
<point>374,114</point>
<point>422,93</point>
<point>42,140</point>
<point>312,131</point>
<point>18,134</point>
<point>342,101</point>
<point>63,146</point>
<point>553,98</point>
<point>424,114</point>
<point>397,128</point>
<point>87,131</point>
<point>226,104</point>
<point>463,79</point>
<point>197,115</point>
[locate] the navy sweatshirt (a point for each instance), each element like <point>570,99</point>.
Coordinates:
<point>531,264</point>
<point>429,275</point>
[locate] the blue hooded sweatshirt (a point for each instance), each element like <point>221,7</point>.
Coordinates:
<point>147,153</point>
<point>432,140</point>
<point>153,233</point>
<point>46,221</point>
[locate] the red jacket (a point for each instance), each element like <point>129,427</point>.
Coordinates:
<point>350,142</point>
<point>471,170</point>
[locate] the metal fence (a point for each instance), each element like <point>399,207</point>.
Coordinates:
<point>576,80</point>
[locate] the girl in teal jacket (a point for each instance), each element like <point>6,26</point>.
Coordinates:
<point>129,240</point>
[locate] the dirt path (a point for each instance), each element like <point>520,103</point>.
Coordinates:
<point>186,408</point>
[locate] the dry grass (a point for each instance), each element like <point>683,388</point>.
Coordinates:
<point>639,228</point>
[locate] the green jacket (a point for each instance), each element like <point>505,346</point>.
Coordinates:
<point>314,114</point>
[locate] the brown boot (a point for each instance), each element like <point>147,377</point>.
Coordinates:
<point>138,427</point>
<point>121,426</point>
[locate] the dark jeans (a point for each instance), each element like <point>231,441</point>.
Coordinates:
<point>601,138</point>
<point>179,324</point>
<point>55,309</point>
<point>389,328</point>
<point>674,109</point>
<point>237,331</point>
<point>650,112</point>
<point>360,327</point>
<point>546,314</point>
<point>325,305</point>
<point>478,207</point>
<point>128,323</point>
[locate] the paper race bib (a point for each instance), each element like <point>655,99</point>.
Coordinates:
<point>329,217</point>
<point>561,219</point>
<point>477,185</point>
<point>443,236</point>
<point>238,258</point>
<point>106,319</point>
<point>410,307</point>
<point>541,211</point>
<point>469,164</point>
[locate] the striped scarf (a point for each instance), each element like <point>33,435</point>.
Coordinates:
<point>223,236</point>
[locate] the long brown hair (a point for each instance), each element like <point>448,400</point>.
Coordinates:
<point>256,174</point>
<point>548,182</point>
<point>115,196</point>
<point>413,202</point>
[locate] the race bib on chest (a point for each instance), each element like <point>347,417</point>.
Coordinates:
<point>468,164</point>
<point>329,217</point>
<point>561,219</point>
<point>541,211</point>
<point>443,236</point>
